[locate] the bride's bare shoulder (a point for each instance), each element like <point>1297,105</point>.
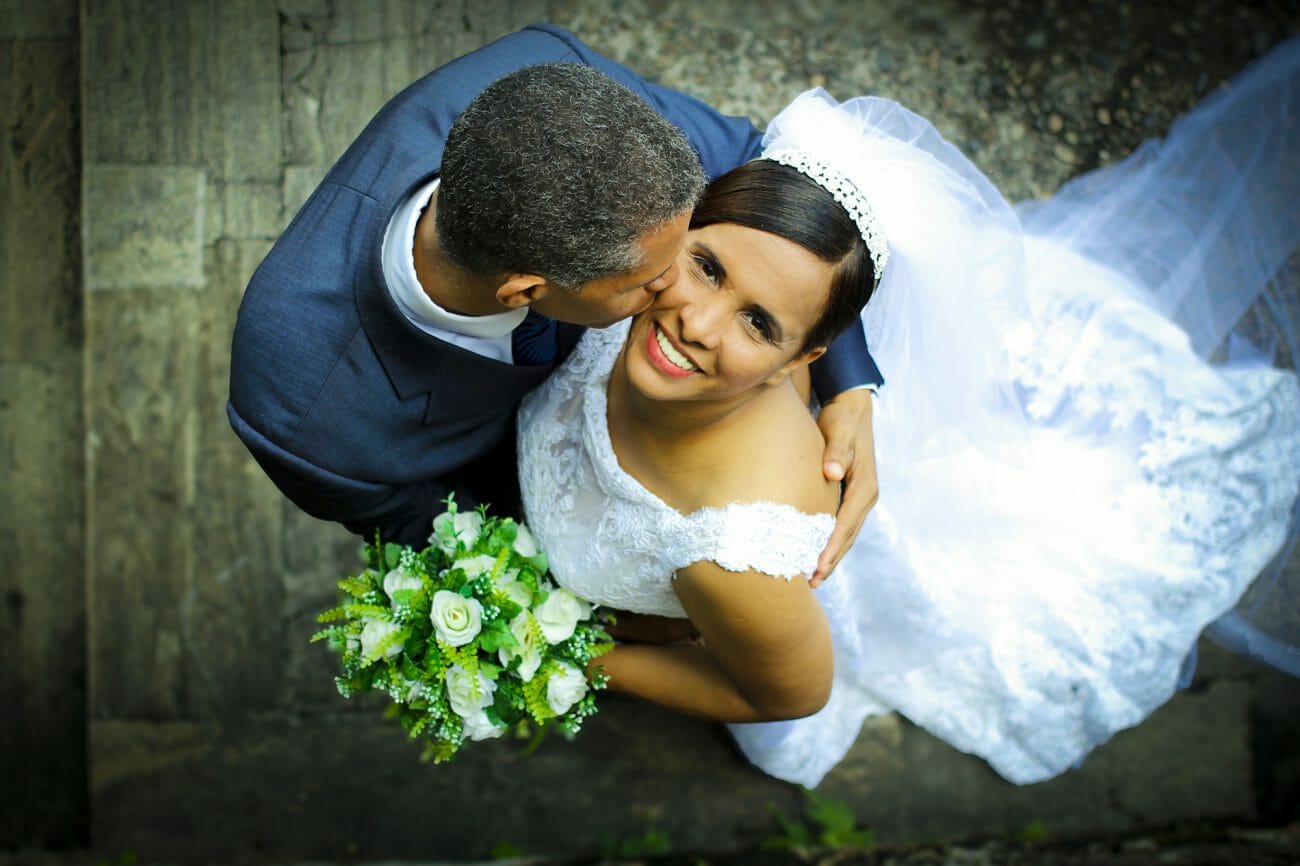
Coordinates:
<point>775,457</point>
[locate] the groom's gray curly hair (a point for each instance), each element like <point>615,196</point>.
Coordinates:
<point>559,170</point>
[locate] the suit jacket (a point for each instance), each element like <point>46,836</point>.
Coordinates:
<point>355,414</point>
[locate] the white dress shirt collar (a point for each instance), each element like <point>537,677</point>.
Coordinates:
<point>404,285</point>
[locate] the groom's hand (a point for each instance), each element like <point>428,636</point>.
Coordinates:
<point>850,457</point>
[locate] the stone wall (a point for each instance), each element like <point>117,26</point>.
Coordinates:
<point>153,562</point>
<point>42,429</point>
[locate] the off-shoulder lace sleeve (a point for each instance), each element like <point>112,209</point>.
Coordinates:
<point>767,537</point>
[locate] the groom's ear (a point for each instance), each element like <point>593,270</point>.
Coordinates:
<point>520,290</point>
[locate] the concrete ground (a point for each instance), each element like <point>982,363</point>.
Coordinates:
<point>198,726</point>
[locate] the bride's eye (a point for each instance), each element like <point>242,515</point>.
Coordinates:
<point>758,323</point>
<point>708,267</point>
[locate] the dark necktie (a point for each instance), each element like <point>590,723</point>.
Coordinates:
<point>533,342</point>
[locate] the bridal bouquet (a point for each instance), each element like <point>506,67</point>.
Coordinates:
<point>469,637</point>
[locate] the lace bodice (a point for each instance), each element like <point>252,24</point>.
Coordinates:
<point>608,538</point>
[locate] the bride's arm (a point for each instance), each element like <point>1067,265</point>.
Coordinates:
<point>647,628</point>
<point>766,653</point>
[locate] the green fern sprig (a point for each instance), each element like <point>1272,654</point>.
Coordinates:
<point>535,698</point>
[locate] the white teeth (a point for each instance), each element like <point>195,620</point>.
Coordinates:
<point>671,353</point>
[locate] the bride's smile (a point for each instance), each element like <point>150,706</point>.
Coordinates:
<point>664,354</point>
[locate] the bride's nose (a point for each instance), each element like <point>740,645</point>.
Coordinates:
<point>702,318</point>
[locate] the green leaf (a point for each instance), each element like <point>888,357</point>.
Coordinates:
<point>416,646</point>
<point>505,850</point>
<point>408,597</point>
<point>495,636</point>
<point>393,555</point>
<point>834,817</point>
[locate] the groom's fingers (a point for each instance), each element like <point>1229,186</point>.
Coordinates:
<point>851,457</point>
<point>860,493</point>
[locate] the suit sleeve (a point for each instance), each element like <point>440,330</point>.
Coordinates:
<point>401,513</point>
<point>846,365</point>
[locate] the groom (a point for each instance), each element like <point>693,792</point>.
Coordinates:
<point>453,256</point>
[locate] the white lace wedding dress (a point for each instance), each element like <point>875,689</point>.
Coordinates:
<point>1041,562</point>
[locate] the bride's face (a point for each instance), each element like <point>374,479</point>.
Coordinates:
<point>735,320</point>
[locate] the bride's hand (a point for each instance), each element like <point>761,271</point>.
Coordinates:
<point>850,457</point>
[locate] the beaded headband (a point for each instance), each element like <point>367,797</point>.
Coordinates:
<point>847,194</point>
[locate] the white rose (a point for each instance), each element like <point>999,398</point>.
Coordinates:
<point>517,591</point>
<point>468,693</point>
<point>560,614</point>
<point>456,619</point>
<point>565,688</point>
<point>451,531</point>
<point>375,632</point>
<point>477,726</point>
<point>399,579</point>
<point>528,650</point>
<point>473,566</point>
<point>509,585</point>
<point>525,544</point>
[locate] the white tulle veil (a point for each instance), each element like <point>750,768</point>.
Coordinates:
<point>955,245</point>
<point>1202,224</point>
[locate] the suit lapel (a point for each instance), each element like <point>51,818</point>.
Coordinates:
<point>461,384</point>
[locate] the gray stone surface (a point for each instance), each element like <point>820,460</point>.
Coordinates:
<point>341,63</point>
<point>40,255</point>
<point>26,21</point>
<point>1190,761</point>
<point>349,785</point>
<point>143,350</point>
<point>189,84</point>
<point>42,503</point>
<point>341,783</point>
<point>243,211</point>
<point>144,226</point>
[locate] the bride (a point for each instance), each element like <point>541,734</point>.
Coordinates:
<point>1070,493</point>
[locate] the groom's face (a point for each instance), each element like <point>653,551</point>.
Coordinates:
<point>611,299</point>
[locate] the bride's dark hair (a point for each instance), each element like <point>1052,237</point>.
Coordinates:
<point>776,198</point>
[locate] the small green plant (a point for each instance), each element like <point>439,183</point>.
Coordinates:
<point>1034,833</point>
<point>505,851</point>
<point>652,843</point>
<point>125,858</point>
<point>826,823</point>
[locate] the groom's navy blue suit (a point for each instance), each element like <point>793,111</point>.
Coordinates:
<point>356,415</point>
